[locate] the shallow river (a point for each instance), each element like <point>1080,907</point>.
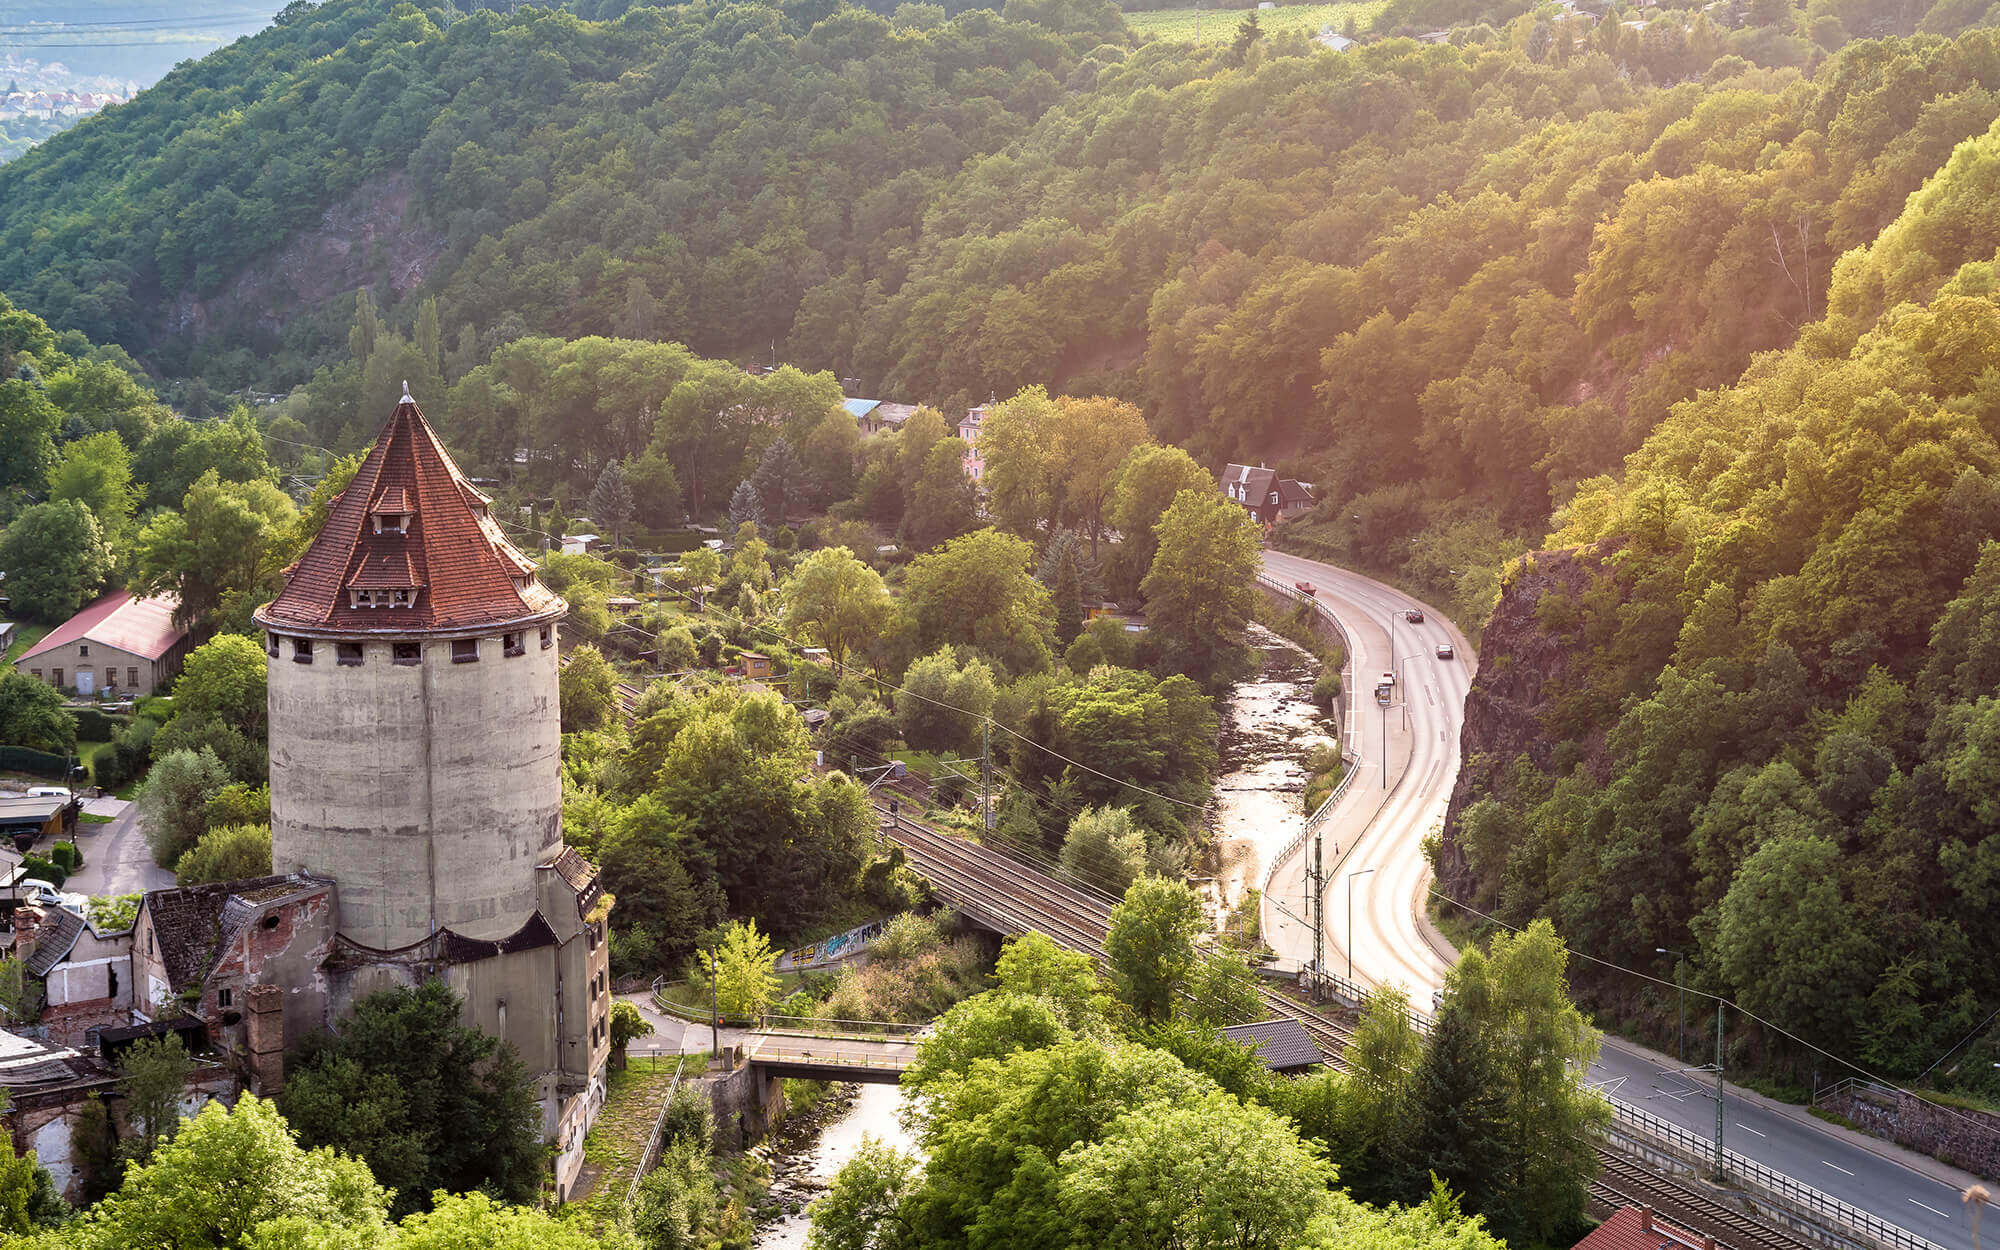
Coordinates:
<point>873,1114</point>
<point>1268,726</point>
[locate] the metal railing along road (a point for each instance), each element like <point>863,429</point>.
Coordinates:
<point>1751,1175</point>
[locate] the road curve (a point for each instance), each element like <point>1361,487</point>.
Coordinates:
<point>1383,827</point>
<point>1375,835</point>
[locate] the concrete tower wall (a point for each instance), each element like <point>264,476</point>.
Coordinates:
<point>429,791</point>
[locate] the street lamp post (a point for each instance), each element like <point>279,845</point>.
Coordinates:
<point>1680,983</point>
<point>1359,872</point>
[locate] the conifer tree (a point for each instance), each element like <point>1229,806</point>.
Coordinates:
<point>611,500</point>
<point>746,505</point>
<point>1068,594</point>
<point>1454,1121</point>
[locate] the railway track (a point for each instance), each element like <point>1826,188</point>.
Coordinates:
<point>1025,898</point>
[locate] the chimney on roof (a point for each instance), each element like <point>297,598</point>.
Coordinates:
<point>27,925</point>
<point>1646,1219</point>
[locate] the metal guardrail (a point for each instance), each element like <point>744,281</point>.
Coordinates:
<point>814,1026</point>
<point>868,1059</point>
<point>1348,759</point>
<point>1773,1185</point>
<point>652,1152</point>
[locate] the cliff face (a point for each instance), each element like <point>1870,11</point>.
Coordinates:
<point>373,236</point>
<point>1527,661</point>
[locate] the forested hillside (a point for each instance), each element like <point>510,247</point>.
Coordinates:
<point>1773,742</point>
<point>1446,283</point>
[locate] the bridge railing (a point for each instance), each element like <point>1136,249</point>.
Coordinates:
<point>818,1057</point>
<point>819,1026</point>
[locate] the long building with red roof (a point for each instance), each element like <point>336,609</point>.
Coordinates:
<point>119,645</point>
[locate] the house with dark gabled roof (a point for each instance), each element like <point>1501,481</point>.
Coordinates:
<point>1282,1043</point>
<point>1265,495</point>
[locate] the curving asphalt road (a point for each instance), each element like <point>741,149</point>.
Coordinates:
<point>1382,826</point>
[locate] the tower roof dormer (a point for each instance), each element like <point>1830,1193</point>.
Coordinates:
<point>410,545</point>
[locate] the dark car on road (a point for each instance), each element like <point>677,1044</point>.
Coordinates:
<point>1445,652</point>
<point>1414,616</point>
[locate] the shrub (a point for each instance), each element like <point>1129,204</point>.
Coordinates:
<point>66,857</point>
<point>34,866</point>
<point>227,853</point>
<point>95,726</point>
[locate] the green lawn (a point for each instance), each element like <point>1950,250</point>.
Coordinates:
<point>1218,25</point>
<point>25,636</point>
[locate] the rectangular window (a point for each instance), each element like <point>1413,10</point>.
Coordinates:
<point>510,644</point>
<point>222,997</point>
<point>402,598</point>
<point>271,645</point>
<point>464,650</point>
<point>408,652</point>
<point>348,653</point>
<point>132,678</point>
<point>548,637</point>
<point>82,648</point>
<point>302,650</point>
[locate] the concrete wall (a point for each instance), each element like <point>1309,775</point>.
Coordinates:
<point>429,792</point>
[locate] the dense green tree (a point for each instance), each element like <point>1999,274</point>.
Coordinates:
<point>224,678</point>
<point>173,805</point>
<point>837,601</point>
<point>56,560</point>
<point>1150,943</point>
<point>612,503</point>
<point>226,853</point>
<point>1104,850</point>
<point>96,471</point>
<point>1200,588</point>
<point>943,701</point>
<point>152,1078</point>
<point>589,690</point>
<point>778,480</point>
<point>28,1196</point>
<point>231,1178</point>
<point>1452,1124</point>
<point>221,554</point>
<point>976,591</point>
<point>430,1103</point>
<point>740,970</point>
<point>944,503</point>
<point>32,715</point>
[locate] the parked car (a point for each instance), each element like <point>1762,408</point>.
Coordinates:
<point>1306,588</point>
<point>42,894</point>
<point>1445,652</point>
<point>1414,616</point>
<point>50,792</point>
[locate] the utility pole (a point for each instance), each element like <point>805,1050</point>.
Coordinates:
<point>1721,1174</point>
<point>1316,909</point>
<point>986,774</point>
<point>1384,744</point>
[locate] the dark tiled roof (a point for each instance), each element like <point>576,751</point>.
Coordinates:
<point>1292,491</point>
<point>1282,1044</point>
<point>454,553</point>
<point>1256,480</point>
<point>193,924</point>
<point>54,940</point>
<point>580,875</point>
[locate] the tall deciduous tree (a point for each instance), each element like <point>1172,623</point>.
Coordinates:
<point>837,601</point>
<point>152,1076</point>
<point>943,503</point>
<point>1149,481</point>
<point>174,805</point>
<point>225,678</point>
<point>1150,943</point>
<point>1094,437</point>
<point>1103,849</point>
<point>32,715</point>
<point>56,559</point>
<point>1023,478</point>
<point>976,590</point>
<point>741,968</point>
<point>97,471</point>
<point>221,554</point>
<point>589,690</point>
<point>1201,587</point>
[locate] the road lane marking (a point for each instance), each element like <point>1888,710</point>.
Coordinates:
<point>1933,1210</point>
<point>1844,1172</point>
<point>1746,1128</point>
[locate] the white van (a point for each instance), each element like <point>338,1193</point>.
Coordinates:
<point>50,792</point>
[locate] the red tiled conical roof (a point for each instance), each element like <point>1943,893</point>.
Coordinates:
<point>461,570</point>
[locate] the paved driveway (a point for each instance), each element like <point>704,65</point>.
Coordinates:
<point>116,859</point>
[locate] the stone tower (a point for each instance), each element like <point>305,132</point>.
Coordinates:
<point>415,745</point>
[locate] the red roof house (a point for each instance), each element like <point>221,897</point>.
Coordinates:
<point>1638,1228</point>
<point>118,643</point>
